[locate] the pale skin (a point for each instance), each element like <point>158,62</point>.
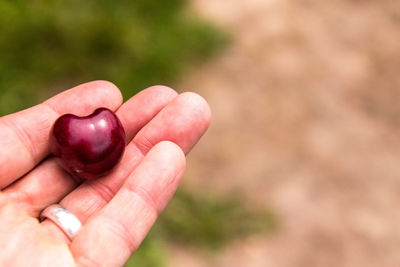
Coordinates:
<point>117,210</point>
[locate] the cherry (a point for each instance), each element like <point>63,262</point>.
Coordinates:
<point>88,147</point>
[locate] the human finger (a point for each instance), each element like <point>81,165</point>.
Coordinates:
<point>115,232</point>
<point>48,183</point>
<point>24,136</point>
<point>182,122</point>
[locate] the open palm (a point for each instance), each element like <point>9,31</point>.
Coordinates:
<point>117,210</point>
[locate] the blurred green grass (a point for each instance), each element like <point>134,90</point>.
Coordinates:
<point>47,46</point>
<point>201,220</point>
<point>206,223</point>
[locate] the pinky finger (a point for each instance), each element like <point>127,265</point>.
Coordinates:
<point>112,235</point>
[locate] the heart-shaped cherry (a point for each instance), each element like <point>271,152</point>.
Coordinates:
<point>88,147</point>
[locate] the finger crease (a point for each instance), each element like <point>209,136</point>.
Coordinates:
<point>122,231</point>
<point>145,196</point>
<point>144,145</point>
<point>104,191</point>
<point>26,138</point>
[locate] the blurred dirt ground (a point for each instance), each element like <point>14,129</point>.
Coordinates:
<point>306,121</point>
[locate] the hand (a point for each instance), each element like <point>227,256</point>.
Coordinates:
<point>117,210</point>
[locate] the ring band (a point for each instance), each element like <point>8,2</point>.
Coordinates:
<point>64,219</point>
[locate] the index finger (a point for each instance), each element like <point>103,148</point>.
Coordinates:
<point>24,136</point>
<point>113,233</point>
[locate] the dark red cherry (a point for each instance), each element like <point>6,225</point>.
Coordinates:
<point>88,147</point>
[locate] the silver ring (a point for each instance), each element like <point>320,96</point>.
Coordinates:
<point>64,219</point>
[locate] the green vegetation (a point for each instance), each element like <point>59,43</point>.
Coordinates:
<point>151,252</point>
<point>49,45</point>
<point>201,221</point>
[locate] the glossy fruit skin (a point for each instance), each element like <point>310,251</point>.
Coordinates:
<point>88,147</point>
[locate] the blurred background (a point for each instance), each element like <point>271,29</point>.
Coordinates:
<point>301,164</point>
